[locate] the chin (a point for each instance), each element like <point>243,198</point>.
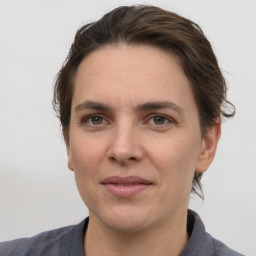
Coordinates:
<point>125,220</point>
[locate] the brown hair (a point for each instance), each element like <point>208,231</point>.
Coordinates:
<point>149,25</point>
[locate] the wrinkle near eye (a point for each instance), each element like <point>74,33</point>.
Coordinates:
<point>159,120</point>
<point>96,120</point>
<point>93,121</point>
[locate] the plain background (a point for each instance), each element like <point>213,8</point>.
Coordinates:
<point>38,192</point>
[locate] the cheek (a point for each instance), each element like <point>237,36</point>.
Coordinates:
<point>86,154</point>
<point>87,157</point>
<point>175,158</point>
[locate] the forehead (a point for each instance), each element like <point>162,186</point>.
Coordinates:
<point>131,74</point>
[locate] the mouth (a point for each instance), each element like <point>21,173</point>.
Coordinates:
<point>125,186</point>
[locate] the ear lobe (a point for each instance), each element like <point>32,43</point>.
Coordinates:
<point>209,147</point>
<point>70,161</point>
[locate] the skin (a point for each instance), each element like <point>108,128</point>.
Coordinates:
<point>120,135</point>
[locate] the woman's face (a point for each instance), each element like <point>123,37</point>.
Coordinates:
<point>135,138</point>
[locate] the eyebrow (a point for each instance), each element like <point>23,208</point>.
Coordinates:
<point>92,105</point>
<point>152,105</point>
<point>159,105</point>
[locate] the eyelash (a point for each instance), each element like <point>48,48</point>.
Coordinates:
<point>165,118</point>
<point>88,119</point>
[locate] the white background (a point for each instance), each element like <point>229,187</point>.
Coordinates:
<point>38,192</point>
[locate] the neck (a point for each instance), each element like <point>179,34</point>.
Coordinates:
<point>165,239</point>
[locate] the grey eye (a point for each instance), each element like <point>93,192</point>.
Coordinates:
<point>159,120</point>
<point>96,120</point>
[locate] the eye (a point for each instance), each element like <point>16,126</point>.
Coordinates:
<point>160,120</point>
<point>94,120</point>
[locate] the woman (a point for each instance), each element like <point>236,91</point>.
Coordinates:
<point>140,101</point>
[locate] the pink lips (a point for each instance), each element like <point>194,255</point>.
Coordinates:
<point>125,186</point>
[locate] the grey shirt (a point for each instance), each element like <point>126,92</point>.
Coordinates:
<point>68,241</point>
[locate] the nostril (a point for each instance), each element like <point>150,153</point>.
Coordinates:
<point>122,161</point>
<point>112,159</point>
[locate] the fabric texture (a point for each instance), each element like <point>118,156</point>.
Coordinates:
<point>68,241</point>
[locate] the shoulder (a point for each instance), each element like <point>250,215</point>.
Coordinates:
<point>202,243</point>
<point>220,249</point>
<point>46,243</point>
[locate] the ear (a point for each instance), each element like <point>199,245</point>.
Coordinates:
<point>70,161</point>
<point>209,147</point>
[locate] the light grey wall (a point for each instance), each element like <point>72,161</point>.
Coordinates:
<point>38,192</point>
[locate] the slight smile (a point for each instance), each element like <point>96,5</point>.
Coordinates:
<point>126,186</point>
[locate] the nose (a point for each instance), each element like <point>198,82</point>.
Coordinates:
<point>124,147</point>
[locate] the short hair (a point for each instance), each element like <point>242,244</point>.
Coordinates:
<point>165,30</point>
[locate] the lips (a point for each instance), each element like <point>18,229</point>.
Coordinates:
<point>125,186</point>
